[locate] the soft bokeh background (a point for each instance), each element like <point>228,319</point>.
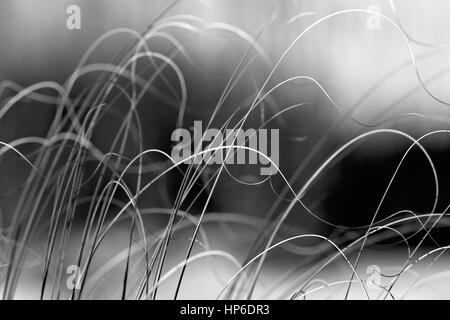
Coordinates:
<point>342,54</point>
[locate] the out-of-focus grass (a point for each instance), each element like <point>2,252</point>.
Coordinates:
<point>128,250</point>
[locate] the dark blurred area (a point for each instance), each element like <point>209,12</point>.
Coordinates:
<point>343,55</point>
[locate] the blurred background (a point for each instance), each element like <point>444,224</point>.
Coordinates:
<point>344,55</point>
<point>362,61</point>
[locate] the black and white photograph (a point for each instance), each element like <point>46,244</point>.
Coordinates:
<point>226,151</point>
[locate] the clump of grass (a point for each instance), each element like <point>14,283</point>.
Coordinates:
<point>49,200</point>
